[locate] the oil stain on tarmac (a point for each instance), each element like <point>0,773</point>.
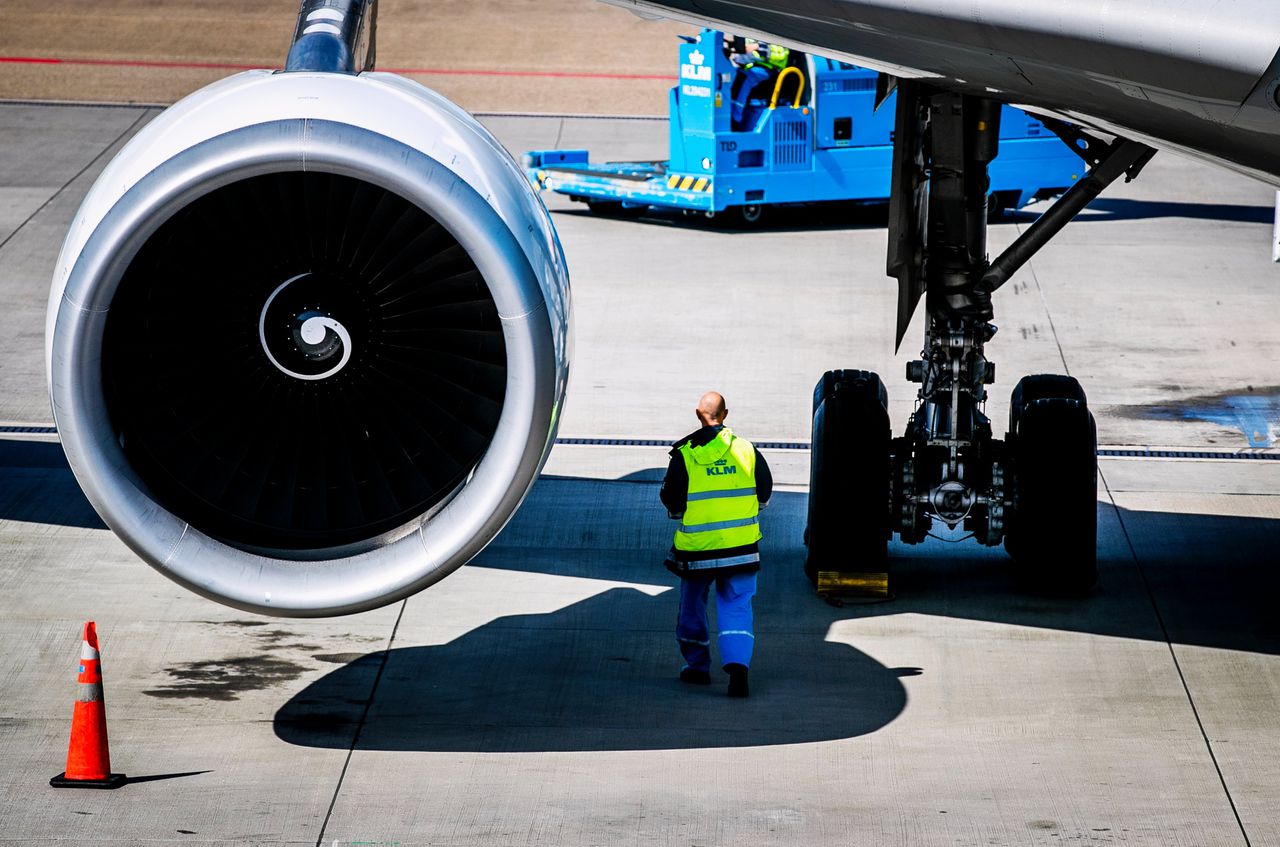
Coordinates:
<point>226,679</point>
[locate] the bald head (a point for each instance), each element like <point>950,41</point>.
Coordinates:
<point>711,410</point>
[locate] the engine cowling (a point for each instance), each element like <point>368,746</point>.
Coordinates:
<point>308,341</point>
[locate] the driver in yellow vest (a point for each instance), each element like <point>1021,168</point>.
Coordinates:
<point>715,486</point>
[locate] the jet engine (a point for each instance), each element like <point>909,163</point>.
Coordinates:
<point>308,341</point>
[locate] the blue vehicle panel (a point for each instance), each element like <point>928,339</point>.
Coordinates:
<point>754,136</point>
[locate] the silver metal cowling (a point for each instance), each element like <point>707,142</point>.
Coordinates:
<point>528,286</point>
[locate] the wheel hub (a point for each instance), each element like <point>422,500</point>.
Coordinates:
<point>952,501</point>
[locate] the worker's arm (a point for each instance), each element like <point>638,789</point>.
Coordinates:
<point>764,480</point>
<point>675,487</point>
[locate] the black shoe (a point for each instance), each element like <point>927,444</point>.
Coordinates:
<point>737,680</point>
<point>695,677</point>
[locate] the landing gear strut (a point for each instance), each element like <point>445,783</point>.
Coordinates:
<point>1035,491</point>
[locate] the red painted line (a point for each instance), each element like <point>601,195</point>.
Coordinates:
<point>141,63</point>
<point>543,74</point>
<point>29,60</point>
<point>121,63</point>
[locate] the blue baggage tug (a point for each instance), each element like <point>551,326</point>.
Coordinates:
<point>745,139</point>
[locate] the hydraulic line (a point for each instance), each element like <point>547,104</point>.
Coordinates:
<point>1124,158</point>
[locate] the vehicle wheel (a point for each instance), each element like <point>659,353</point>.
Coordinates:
<point>1000,203</point>
<point>849,501</point>
<point>1052,529</point>
<point>995,210</point>
<point>750,215</point>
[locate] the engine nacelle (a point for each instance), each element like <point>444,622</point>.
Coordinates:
<point>308,341</point>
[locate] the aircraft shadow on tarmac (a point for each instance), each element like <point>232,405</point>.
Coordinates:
<point>39,487</point>
<point>813,218</point>
<point>1122,209</point>
<point>845,216</point>
<point>600,674</point>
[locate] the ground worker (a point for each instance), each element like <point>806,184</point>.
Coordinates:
<point>775,56</point>
<point>761,53</point>
<point>757,70</point>
<point>716,484</point>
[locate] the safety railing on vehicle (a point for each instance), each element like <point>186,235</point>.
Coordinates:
<point>777,87</point>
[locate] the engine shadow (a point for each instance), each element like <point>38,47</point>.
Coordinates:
<point>21,453</point>
<point>596,675</point>
<point>37,486</point>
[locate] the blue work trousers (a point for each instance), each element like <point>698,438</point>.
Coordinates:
<point>736,637</point>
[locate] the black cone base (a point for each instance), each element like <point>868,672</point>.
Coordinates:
<point>115,780</point>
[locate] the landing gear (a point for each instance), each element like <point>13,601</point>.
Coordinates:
<point>1036,491</point>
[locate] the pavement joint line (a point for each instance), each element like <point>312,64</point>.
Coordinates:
<point>1254,454</point>
<point>55,195</point>
<point>1173,654</point>
<point>364,715</point>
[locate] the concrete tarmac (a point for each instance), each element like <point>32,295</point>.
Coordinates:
<point>531,699</point>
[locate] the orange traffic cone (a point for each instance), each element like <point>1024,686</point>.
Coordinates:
<point>88,760</point>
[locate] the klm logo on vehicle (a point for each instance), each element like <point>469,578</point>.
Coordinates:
<point>695,69</point>
<point>721,468</point>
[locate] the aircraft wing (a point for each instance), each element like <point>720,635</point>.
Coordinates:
<point>1197,76</point>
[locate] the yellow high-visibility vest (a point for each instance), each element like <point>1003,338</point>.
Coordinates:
<point>722,510</point>
<point>776,57</point>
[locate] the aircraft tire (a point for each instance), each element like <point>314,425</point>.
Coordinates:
<point>1039,386</point>
<point>848,525</point>
<point>1052,530</point>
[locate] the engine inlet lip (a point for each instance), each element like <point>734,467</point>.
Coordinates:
<point>357,576</point>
